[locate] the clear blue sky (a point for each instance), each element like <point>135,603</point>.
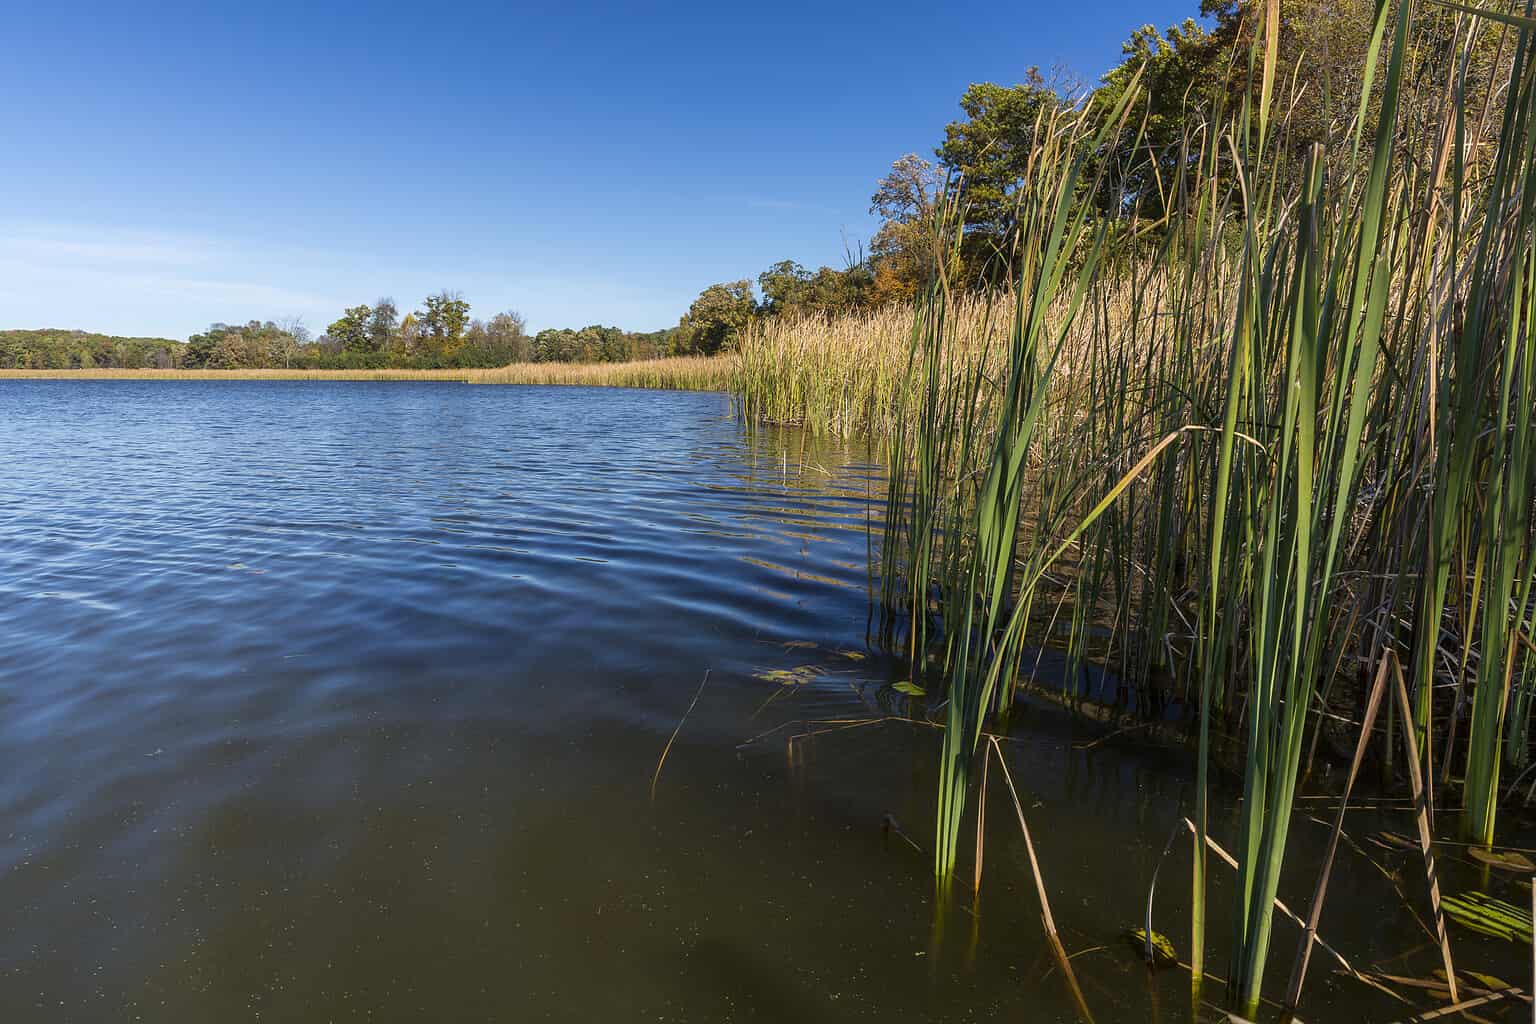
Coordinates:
<point>165,166</point>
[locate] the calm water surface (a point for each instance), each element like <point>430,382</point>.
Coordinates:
<point>343,702</point>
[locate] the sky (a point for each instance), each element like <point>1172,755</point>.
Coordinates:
<point>164,166</point>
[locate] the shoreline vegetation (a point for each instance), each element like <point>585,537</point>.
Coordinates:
<point>677,373</point>
<point>1258,442</point>
<point>443,336</point>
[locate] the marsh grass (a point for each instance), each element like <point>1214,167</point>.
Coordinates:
<point>678,373</point>
<point>1241,459</point>
<point>684,373</point>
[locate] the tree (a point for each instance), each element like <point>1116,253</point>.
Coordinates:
<point>443,323</point>
<point>229,346</point>
<point>839,291</point>
<point>612,344</point>
<point>907,250</point>
<point>651,344</point>
<point>1191,74</point>
<point>506,335</point>
<point>382,325</point>
<point>988,154</point>
<point>408,337</point>
<point>785,286</point>
<point>292,337</point>
<point>553,345</point>
<point>351,329</point>
<point>791,290</point>
<point>717,317</point>
<point>199,348</point>
<point>1183,73</point>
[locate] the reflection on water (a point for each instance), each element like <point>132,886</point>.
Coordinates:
<point>342,701</point>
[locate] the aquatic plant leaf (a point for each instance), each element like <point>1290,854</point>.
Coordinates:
<point>1489,981</point>
<point>1485,915</point>
<point>797,676</point>
<point>1506,860</point>
<point>1163,953</point>
<point>911,689</point>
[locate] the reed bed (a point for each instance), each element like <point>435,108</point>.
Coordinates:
<point>849,375</point>
<point>846,376</point>
<point>683,373</point>
<point>1244,457</point>
<point>678,373</point>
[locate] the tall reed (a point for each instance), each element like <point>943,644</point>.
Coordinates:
<point>1238,456</point>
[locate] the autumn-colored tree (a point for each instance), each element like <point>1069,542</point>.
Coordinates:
<point>907,249</point>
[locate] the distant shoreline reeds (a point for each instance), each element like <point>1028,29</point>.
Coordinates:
<point>683,373</point>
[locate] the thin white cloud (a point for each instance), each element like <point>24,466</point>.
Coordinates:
<point>87,280</point>
<point>95,253</point>
<point>136,282</point>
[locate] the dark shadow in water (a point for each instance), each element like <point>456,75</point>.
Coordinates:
<point>744,984</point>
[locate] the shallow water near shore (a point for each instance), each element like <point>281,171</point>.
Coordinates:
<point>333,701</point>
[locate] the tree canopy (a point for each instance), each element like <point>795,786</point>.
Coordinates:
<point>1192,75</point>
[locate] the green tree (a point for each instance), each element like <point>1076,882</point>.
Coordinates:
<point>554,345</point>
<point>1184,73</point>
<point>987,155</point>
<point>791,290</point>
<point>200,348</point>
<point>254,344</point>
<point>351,329</point>
<point>717,317</point>
<point>443,323</point>
<point>840,291</point>
<point>785,287</point>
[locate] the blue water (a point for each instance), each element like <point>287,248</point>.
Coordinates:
<point>346,702</point>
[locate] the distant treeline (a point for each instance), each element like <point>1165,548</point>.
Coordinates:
<point>443,335</point>
<point>53,349</point>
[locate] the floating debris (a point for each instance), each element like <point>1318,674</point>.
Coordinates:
<point>1395,840</point>
<point>1506,861</point>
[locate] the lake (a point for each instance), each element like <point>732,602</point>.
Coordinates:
<point>346,701</point>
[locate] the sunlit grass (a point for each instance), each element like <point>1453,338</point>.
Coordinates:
<point>678,373</point>
<point>683,373</point>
